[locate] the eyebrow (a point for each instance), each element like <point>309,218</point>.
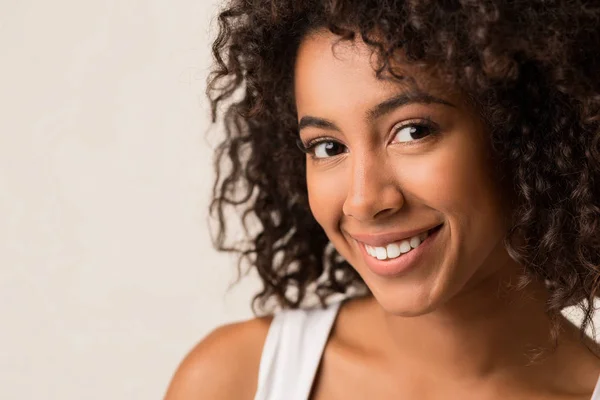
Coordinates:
<point>378,111</point>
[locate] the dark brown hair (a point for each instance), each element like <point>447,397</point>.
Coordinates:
<point>532,67</point>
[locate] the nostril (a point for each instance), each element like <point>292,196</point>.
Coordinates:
<point>372,197</point>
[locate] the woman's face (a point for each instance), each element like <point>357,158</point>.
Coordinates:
<point>399,177</point>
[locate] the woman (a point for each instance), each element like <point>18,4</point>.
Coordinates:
<point>447,184</point>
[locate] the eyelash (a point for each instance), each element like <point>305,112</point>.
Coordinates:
<point>425,122</point>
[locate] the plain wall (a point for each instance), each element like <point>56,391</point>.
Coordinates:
<point>108,276</point>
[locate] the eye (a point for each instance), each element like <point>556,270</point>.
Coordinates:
<point>412,132</point>
<point>322,148</point>
<point>327,149</point>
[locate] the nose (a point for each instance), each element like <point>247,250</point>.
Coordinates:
<point>373,191</point>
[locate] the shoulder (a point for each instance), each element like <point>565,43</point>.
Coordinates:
<point>223,365</point>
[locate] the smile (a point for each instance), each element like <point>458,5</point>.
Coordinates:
<point>392,254</point>
<point>395,249</point>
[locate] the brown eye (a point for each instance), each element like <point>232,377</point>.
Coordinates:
<point>412,132</point>
<point>322,148</point>
<point>327,149</point>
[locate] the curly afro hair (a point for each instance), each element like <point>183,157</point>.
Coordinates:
<point>532,68</point>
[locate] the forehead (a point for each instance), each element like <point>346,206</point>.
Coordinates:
<point>325,66</point>
<point>331,74</point>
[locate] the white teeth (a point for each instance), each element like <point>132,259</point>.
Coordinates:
<point>371,250</point>
<point>405,246</point>
<point>415,242</point>
<point>395,249</point>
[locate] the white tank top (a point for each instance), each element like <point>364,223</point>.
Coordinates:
<point>292,353</point>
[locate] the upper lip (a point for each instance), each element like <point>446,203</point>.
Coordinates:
<point>382,239</point>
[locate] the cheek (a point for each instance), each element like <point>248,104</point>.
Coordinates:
<point>455,180</point>
<point>326,194</point>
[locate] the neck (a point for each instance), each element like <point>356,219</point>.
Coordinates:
<point>487,330</point>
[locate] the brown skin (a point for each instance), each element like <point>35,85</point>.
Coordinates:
<point>449,325</point>
<point>471,336</point>
<point>224,365</point>
<point>382,185</point>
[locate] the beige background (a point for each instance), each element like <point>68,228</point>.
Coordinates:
<point>107,273</point>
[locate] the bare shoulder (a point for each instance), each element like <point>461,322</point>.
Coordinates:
<point>223,365</point>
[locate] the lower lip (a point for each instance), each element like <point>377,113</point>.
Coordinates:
<point>402,263</point>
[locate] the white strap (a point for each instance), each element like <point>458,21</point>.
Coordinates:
<point>292,353</point>
<point>596,394</point>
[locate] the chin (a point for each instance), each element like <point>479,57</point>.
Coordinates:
<point>408,305</point>
<point>419,293</point>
